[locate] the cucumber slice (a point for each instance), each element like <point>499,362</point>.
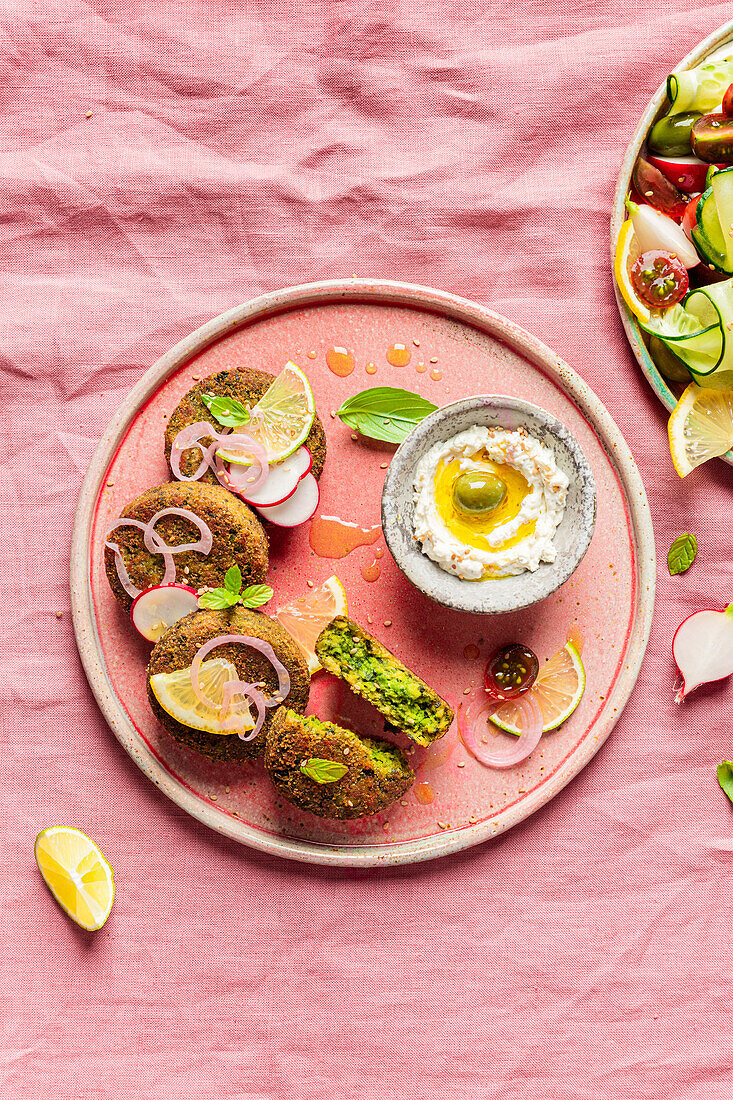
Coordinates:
<point>699,89</point>
<point>707,251</point>
<point>704,306</point>
<point>708,220</point>
<point>698,344</point>
<point>722,188</point>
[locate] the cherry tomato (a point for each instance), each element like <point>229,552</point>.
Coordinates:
<point>657,190</point>
<point>510,671</point>
<point>728,102</point>
<point>689,218</point>
<point>660,278</point>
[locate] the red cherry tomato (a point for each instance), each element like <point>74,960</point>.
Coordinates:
<point>728,102</point>
<point>660,278</point>
<point>689,218</point>
<point>510,671</point>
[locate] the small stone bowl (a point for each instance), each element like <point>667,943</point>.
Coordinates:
<point>496,594</point>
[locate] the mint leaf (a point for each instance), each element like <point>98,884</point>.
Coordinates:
<point>233,580</point>
<point>218,599</point>
<point>256,595</point>
<point>323,771</point>
<point>385,413</point>
<point>725,777</point>
<point>227,410</point>
<point>681,554</point>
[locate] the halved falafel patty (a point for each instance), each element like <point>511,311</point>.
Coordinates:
<point>238,539</point>
<point>178,647</point>
<point>247,386</point>
<point>373,672</point>
<point>377,773</point>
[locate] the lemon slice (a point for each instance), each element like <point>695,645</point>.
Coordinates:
<point>77,874</point>
<point>305,618</point>
<point>281,420</point>
<point>558,689</point>
<point>627,252</point>
<point>700,427</point>
<point>174,691</point>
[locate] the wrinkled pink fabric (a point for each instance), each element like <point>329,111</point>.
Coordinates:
<point>237,148</point>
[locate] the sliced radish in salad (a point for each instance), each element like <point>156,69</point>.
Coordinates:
<point>655,230</point>
<point>298,508</point>
<point>280,484</point>
<point>687,173</point>
<point>703,649</point>
<point>156,609</point>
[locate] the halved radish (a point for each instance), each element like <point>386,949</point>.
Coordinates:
<point>687,173</point>
<point>703,649</point>
<point>297,508</point>
<point>156,609</point>
<point>280,483</point>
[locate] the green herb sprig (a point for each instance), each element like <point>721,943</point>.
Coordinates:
<point>232,594</point>
<point>725,777</point>
<point>681,554</point>
<point>385,413</point>
<point>323,771</point>
<point>227,410</point>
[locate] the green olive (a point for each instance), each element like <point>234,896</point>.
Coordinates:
<point>670,137</point>
<point>477,491</point>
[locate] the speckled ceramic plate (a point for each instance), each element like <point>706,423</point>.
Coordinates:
<point>718,44</point>
<point>455,348</point>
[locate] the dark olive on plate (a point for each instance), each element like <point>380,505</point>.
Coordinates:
<point>712,139</point>
<point>670,136</point>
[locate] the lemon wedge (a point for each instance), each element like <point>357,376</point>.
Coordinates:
<point>700,427</point>
<point>306,617</point>
<point>77,874</point>
<point>174,691</point>
<point>281,420</point>
<point>627,252</point>
<point>558,689</point>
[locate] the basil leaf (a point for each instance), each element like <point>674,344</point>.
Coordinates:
<point>256,595</point>
<point>227,410</point>
<point>725,777</point>
<point>385,413</point>
<point>233,580</point>
<point>323,771</point>
<point>218,599</point>
<point>681,554</point>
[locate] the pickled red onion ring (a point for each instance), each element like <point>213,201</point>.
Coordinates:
<point>529,720</point>
<point>239,687</point>
<point>283,677</point>
<point>191,436</point>
<point>156,544</point>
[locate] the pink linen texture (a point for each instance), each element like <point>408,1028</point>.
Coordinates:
<point>160,163</point>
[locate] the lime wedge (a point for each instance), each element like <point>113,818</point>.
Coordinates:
<point>281,420</point>
<point>77,874</point>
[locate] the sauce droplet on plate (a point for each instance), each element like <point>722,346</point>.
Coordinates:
<point>340,361</point>
<point>471,652</point>
<point>371,368</point>
<point>420,367</point>
<point>331,537</point>
<point>312,354</point>
<point>436,375</point>
<point>372,572</point>
<point>399,355</point>
<point>424,793</point>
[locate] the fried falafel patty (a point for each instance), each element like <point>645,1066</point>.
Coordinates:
<point>247,386</point>
<point>377,772</point>
<point>238,539</point>
<point>372,671</point>
<point>178,647</point>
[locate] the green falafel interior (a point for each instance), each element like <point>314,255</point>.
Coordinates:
<point>372,671</point>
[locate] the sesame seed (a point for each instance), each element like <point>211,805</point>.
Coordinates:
<point>466,691</point>
<point>346,752</point>
<point>89,114</point>
<point>472,819</point>
<point>383,465</point>
<point>403,803</point>
<point>649,194</point>
<point>227,790</point>
<point>416,343</point>
<point>333,414</point>
<point>186,570</point>
<point>214,798</point>
<point>387,622</point>
<point>59,614</point>
<point>434,359</point>
<point>461,764</point>
<point>110,484</point>
<point>386,825</point>
<point>354,435</point>
<point>369,619</point>
<point>234,813</point>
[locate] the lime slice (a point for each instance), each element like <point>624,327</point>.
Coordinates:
<point>77,874</point>
<point>558,689</point>
<point>281,420</point>
<point>174,691</point>
<point>306,617</point>
<point>700,427</point>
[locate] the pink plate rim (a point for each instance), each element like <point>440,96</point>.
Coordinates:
<point>383,292</point>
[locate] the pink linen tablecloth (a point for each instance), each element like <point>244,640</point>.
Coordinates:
<point>160,163</point>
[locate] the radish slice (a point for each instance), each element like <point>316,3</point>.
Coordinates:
<point>297,508</point>
<point>703,649</point>
<point>156,609</point>
<point>281,483</point>
<point>655,230</point>
<point>529,720</point>
<point>689,173</point>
